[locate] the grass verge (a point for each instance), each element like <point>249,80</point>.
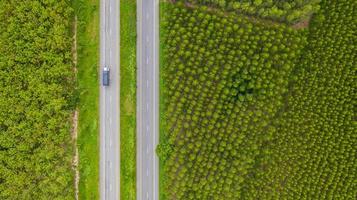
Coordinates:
<point>88,127</point>
<point>128,99</point>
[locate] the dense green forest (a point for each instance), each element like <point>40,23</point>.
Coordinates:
<point>36,99</point>
<point>290,11</point>
<point>258,111</point>
<point>313,151</point>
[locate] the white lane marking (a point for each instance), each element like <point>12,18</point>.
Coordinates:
<point>104,29</point>
<point>147,83</point>
<point>110,54</point>
<point>110,9</point>
<point>110,143</point>
<point>147,60</point>
<point>147,128</point>
<point>147,171</point>
<point>147,195</point>
<point>110,164</point>
<point>110,99</point>
<point>110,32</point>
<point>147,107</point>
<point>147,15</point>
<point>110,121</point>
<point>147,150</point>
<point>155,131</point>
<point>110,187</point>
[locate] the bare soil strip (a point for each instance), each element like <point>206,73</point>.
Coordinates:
<point>303,23</point>
<point>74,131</point>
<point>211,9</point>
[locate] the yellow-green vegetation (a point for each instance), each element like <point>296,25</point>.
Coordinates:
<point>289,11</point>
<point>225,79</point>
<point>257,111</point>
<point>88,129</point>
<point>128,99</point>
<point>313,151</point>
<point>164,8</point>
<point>37,100</point>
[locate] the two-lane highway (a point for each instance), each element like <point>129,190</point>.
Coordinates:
<point>147,99</point>
<point>109,101</point>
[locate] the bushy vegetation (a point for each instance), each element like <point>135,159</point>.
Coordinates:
<point>256,111</point>
<point>290,11</point>
<point>36,100</point>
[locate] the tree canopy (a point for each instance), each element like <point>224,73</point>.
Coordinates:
<point>36,100</point>
<point>259,111</point>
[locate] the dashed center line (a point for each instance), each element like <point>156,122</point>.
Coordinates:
<point>109,171</point>
<point>147,22</point>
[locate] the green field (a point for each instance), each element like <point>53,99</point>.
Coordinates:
<point>88,128</point>
<point>251,110</point>
<point>128,99</point>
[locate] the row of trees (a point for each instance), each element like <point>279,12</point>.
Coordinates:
<point>290,11</point>
<point>255,111</point>
<point>36,100</point>
<point>225,79</point>
<point>314,148</point>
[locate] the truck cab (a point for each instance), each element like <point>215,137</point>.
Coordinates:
<point>106,76</point>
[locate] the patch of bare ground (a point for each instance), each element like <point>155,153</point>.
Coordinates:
<point>74,131</point>
<point>75,160</point>
<point>303,23</point>
<point>74,46</point>
<point>128,106</point>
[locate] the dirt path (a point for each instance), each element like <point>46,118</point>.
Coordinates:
<point>303,23</point>
<point>75,157</point>
<point>74,131</point>
<point>300,25</point>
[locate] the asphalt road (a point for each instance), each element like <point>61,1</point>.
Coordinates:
<point>109,101</point>
<point>147,99</point>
